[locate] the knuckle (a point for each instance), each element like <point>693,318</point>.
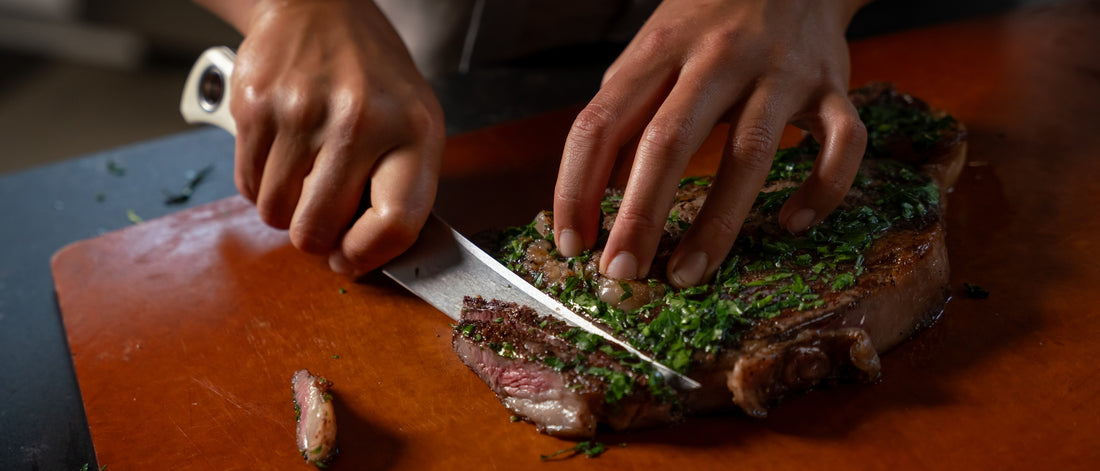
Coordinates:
<point>657,39</point>
<point>640,222</point>
<point>669,137</point>
<point>854,132</point>
<point>753,145</point>
<point>425,119</point>
<point>273,213</point>
<point>299,110</point>
<point>720,39</point>
<point>398,227</point>
<point>244,185</point>
<point>310,237</point>
<point>250,106</point>
<point>721,229</point>
<point>350,115</point>
<point>830,187</point>
<point>593,123</point>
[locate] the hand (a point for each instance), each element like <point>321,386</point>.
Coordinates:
<point>328,106</point>
<point>757,64</point>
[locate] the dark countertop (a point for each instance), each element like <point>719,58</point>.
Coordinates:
<point>42,421</point>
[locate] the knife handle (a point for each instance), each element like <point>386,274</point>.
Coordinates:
<point>206,93</point>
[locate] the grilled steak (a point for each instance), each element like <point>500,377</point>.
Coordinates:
<point>784,314</point>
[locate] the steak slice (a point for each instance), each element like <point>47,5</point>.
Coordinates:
<point>558,377</point>
<point>785,313</point>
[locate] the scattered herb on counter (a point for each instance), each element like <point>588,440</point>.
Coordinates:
<point>193,180</point>
<point>114,168</point>
<point>342,290</point>
<point>590,449</point>
<point>133,217</point>
<point>336,357</point>
<point>975,291</point>
<point>514,418</point>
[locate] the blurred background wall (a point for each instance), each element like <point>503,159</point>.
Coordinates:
<point>77,76</point>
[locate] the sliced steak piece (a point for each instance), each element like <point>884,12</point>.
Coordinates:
<point>785,313</point>
<point>561,379</point>
<point>316,417</point>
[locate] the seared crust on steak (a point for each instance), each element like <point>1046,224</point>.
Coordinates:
<point>786,313</point>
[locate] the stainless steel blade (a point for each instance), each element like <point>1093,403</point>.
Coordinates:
<point>443,267</point>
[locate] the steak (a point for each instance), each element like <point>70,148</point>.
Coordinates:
<point>316,417</point>
<point>785,313</point>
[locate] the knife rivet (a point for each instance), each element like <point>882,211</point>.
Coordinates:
<point>211,89</point>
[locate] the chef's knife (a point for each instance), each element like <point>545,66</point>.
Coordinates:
<point>442,267</point>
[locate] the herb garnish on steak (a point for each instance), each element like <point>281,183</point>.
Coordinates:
<point>784,313</point>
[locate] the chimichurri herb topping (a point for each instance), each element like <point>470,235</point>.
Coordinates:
<point>887,123</point>
<point>768,271</point>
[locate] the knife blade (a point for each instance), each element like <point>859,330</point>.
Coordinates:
<point>442,267</point>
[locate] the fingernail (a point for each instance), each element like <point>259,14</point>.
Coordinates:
<point>341,265</point>
<point>800,220</point>
<point>623,267</point>
<point>569,243</point>
<point>689,270</point>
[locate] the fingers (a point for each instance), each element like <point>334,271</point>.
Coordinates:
<point>844,139</point>
<point>600,130</point>
<point>330,197</point>
<point>667,144</point>
<point>403,188</point>
<point>275,142</point>
<point>363,148</point>
<point>255,133</point>
<point>747,158</point>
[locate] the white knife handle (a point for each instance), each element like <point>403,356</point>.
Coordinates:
<point>206,94</point>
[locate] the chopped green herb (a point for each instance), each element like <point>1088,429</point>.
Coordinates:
<point>193,180</point>
<point>342,290</point>
<point>628,292</point>
<point>336,357</point>
<point>116,169</point>
<point>514,418</point>
<point>611,203</point>
<point>590,449</point>
<point>975,291</point>
<point>133,217</point>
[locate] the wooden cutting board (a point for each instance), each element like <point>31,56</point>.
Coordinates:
<point>185,330</point>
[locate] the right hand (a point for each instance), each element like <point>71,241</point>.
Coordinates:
<point>328,106</point>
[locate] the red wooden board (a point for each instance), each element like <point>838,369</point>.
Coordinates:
<point>185,330</point>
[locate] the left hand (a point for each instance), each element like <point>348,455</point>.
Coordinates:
<point>757,64</point>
